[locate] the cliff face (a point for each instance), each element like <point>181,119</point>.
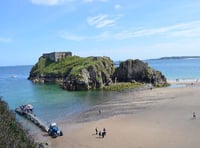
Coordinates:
<point>77,73</point>
<point>92,76</point>
<point>136,70</point>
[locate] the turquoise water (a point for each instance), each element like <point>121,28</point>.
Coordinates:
<point>182,69</point>
<point>51,102</point>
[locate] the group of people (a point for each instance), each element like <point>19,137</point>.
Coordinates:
<point>101,134</point>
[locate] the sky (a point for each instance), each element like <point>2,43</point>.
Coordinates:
<point>119,29</point>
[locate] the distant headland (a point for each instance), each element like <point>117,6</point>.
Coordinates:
<point>85,73</point>
<point>180,57</point>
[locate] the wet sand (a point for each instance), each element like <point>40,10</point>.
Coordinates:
<point>161,118</point>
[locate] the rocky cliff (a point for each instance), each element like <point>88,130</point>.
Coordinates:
<point>136,70</point>
<point>92,76</point>
<point>78,73</point>
<point>75,73</point>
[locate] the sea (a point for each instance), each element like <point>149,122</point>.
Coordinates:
<point>51,103</point>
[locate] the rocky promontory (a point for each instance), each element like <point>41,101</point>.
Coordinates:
<point>85,73</point>
<point>136,70</point>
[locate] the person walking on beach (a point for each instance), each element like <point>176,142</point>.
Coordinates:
<point>99,133</point>
<point>104,130</point>
<point>151,86</point>
<point>96,131</point>
<point>103,133</point>
<point>194,115</point>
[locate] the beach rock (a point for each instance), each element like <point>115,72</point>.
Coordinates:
<point>93,76</point>
<point>76,74</point>
<point>137,70</point>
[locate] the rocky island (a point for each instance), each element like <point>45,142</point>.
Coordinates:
<point>85,73</point>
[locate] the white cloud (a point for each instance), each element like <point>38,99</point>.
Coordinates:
<point>72,37</point>
<point>52,2</point>
<point>101,21</point>
<point>5,40</point>
<point>46,2</point>
<point>57,2</point>
<point>89,1</point>
<point>182,30</point>
<point>117,6</point>
<point>191,29</point>
<point>68,36</point>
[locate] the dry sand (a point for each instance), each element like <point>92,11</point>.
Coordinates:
<point>161,118</point>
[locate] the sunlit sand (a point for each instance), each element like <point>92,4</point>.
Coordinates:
<point>163,119</point>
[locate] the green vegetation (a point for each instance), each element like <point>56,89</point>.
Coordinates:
<point>79,73</point>
<point>160,85</point>
<point>12,135</point>
<point>70,66</point>
<point>122,86</point>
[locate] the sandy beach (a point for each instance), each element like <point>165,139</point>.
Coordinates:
<point>158,118</point>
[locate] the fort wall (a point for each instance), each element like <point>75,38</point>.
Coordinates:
<point>56,56</point>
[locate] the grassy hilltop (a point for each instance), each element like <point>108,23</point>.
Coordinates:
<point>70,66</point>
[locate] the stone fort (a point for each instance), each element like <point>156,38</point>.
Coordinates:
<point>56,56</point>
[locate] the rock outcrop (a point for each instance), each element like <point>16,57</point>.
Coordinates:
<point>136,70</point>
<point>77,73</point>
<point>91,77</point>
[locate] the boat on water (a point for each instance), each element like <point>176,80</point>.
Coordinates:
<point>13,76</point>
<point>24,109</point>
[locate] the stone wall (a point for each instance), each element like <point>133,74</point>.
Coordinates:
<point>55,56</point>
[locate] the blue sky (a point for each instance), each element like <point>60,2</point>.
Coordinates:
<point>120,29</point>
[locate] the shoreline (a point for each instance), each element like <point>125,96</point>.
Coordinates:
<point>183,81</point>
<point>154,118</point>
<point>141,118</point>
<point>124,103</point>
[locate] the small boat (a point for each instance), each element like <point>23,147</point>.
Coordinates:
<point>23,109</point>
<point>27,112</point>
<point>13,76</point>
